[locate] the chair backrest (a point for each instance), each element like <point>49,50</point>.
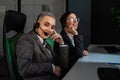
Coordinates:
<point>15,21</point>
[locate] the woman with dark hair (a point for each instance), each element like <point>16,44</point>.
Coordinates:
<point>69,33</point>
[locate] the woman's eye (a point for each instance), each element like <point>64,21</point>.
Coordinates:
<point>47,24</point>
<point>53,27</point>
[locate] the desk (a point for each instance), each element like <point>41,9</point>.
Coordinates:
<point>86,68</point>
<point>101,58</point>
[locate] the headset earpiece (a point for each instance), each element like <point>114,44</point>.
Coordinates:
<point>36,25</point>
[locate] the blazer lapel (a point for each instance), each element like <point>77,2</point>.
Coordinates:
<point>50,49</point>
<point>66,38</point>
<point>42,48</point>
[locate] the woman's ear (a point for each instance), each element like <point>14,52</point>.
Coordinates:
<point>64,24</point>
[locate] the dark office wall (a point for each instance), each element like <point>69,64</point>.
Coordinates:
<point>105,22</point>
<point>83,10</point>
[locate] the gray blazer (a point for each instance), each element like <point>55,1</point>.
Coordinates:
<point>34,61</point>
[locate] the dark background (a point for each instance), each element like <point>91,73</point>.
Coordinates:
<point>105,22</point>
<point>83,10</point>
<point>100,20</point>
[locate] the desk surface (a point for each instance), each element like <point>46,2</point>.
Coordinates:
<point>86,68</point>
<point>101,58</point>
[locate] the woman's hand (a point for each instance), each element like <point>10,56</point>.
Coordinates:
<point>72,30</point>
<point>85,53</point>
<point>57,71</point>
<point>57,37</point>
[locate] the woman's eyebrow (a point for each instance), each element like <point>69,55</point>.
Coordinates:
<point>49,24</point>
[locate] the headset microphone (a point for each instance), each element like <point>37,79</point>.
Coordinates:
<point>46,34</point>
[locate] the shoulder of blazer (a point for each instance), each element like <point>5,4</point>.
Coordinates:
<point>65,37</point>
<point>30,37</point>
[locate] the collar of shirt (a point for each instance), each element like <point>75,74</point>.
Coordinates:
<point>71,38</point>
<point>70,35</point>
<point>41,39</point>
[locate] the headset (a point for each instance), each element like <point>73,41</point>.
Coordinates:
<point>37,25</point>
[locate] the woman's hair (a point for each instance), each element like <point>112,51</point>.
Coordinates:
<point>64,17</point>
<point>41,15</point>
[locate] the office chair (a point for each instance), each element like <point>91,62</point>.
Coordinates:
<point>108,73</point>
<point>13,21</point>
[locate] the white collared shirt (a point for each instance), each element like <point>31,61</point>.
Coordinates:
<point>41,39</point>
<point>71,38</point>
